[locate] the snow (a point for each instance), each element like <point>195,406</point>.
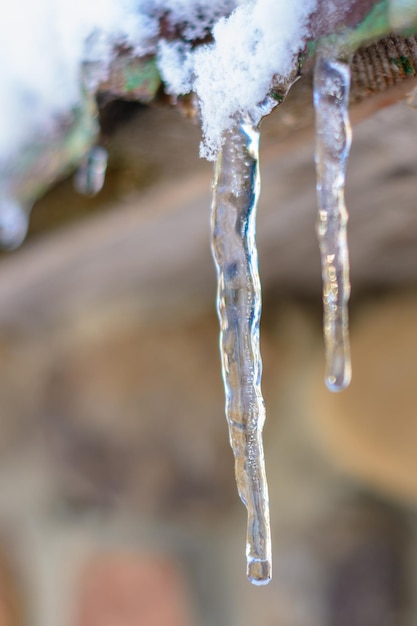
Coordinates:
<point>43,44</point>
<point>259,40</point>
<point>176,66</point>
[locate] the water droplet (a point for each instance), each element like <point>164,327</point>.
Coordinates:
<point>235,197</point>
<point>259,572</point>
<point>333,139</point>
<point>90,176</point>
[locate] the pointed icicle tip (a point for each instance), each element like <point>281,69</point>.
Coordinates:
<point>340,381</point>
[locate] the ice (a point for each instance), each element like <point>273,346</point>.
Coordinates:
<point>42,47</point>
<point>90,176</point>
<point>260,40</point>
<point>44,44</point>
<point>253,41</point>
<point>14,222</point>
<point>235,197</point>
<point>54,51</point>
<point>333,139</point>
<point>196,17</point>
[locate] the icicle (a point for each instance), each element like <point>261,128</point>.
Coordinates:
<point>333,139</point>
<point>235,196</point>
<point>89,178</point>
<point>14,223</point>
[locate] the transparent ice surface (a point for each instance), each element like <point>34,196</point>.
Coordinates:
<point>235,196</point>
<point>333,139</point>
<point>90,176</point>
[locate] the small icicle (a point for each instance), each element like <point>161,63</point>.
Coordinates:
<point>235,196</point>
<point>14,223</point>
<point>90,176</point>
<point>333,139</point>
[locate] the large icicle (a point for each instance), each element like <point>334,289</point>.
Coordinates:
<point>235,196</point>
<point>333,139</point>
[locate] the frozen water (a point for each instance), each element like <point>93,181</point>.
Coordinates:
<point>254,43</point>
<point>254,40</point>
<point>43,45</point>
<point>333,139</point>
<point>260,40</point>
<point>90,176</point>
<point>14,222</point>
<point>235,197</point>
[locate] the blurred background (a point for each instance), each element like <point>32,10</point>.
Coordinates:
<point>117,498</point>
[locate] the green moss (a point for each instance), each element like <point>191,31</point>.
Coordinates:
<point>405,65</point>
<point>48,157</point>
<point>277,96</point>
<point>142,79</point>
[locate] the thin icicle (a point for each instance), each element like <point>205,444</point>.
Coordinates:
<point>90,176</point>
<point>333,139</point>
<point>235,196</point>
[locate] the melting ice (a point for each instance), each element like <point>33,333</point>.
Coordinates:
<point>235,198</point>
<point>236,190</point>
<point>253,43</point>
<point>333,139</point>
